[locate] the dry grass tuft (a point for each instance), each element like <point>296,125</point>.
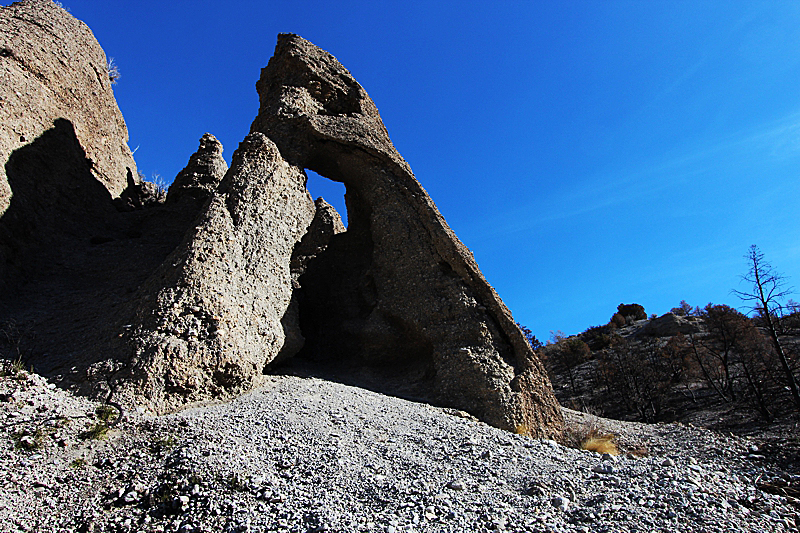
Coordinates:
<point>589,435</point>
<point>522,429</point>
<point>601,444</point>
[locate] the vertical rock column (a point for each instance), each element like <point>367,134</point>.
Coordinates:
<point>210,316</point>
<point>202,175</point>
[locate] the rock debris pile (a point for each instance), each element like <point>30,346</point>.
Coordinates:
<point>303,455</point>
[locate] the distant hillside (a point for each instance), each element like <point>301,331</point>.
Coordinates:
<point>714,367</point>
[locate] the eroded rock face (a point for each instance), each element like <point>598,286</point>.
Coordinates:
<point>54,92</point>
<point>397,290</point>
<point>210,317</point>
<point>202,175</point>
<point>326,224</point>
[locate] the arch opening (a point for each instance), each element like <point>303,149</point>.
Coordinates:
<point>344,333</point>
<point>332,191</point>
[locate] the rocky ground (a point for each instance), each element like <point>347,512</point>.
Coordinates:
<point>306,454</point>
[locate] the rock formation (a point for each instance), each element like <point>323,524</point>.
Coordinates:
<point>193,299</point>
<point>397,289</point>
<point>670,324</point>
<point>202,174</point>
<point>209,319</point>
<point>326,223</point>
<point>55,95</point>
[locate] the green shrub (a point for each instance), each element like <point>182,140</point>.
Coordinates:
<point>25,440</point>
<point>530,337</point>
<point>98,431</point>
<point>161,444</point>
<point>617,321</point>
<point>684,309</point>
<point>106,413</point>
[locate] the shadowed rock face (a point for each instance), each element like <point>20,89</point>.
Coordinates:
<point>90,308</point>
<point>397,289</point>
<point>53,69</point>
<point>326,224</point>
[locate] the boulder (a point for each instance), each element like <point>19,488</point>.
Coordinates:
<point>55,97</point>
<point>208,320</point>
<point>397,290</point>
<point>670,324</point>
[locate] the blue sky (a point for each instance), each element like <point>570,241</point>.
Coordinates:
<point>588,153</point>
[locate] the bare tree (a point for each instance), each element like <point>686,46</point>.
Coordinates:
<point>758,365</point>
<point>714,352</point>
<point>566,354</point>
<point>683,309</point>
<point>764,298</point>
<point>639,374</point>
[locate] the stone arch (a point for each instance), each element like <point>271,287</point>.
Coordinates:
<point>398,287</point>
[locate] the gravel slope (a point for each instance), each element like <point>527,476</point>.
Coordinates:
<point>304,454</point>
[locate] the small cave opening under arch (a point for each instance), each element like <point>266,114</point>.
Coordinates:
<point>335,327</point>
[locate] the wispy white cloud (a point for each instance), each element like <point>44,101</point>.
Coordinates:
<point>753,147</point>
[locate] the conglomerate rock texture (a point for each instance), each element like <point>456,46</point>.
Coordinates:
<point>201,176</point>
<point>210,317</point>
<point>55,98</point>
<point>397,290</point>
